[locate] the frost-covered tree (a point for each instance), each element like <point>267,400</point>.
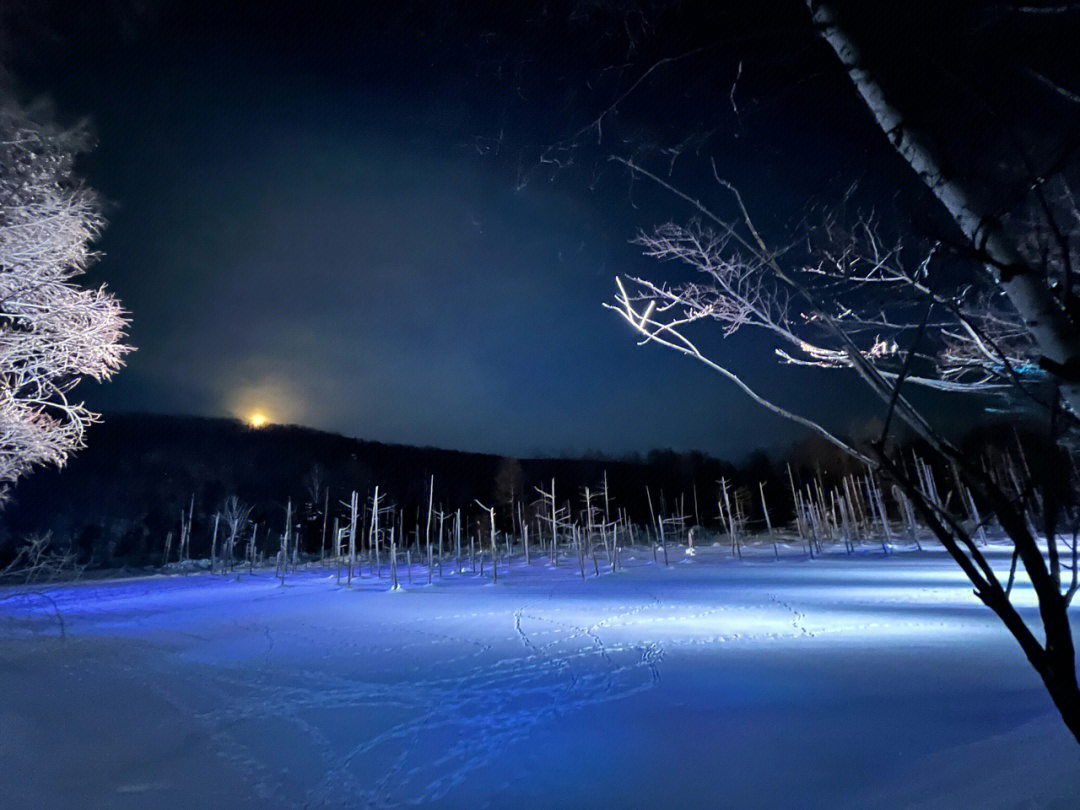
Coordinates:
<point>53,332</point>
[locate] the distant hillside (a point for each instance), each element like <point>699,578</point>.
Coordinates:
<point>118,498</point>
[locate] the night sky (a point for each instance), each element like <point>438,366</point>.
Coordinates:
<point>373,223</point>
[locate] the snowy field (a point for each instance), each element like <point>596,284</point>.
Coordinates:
<point>845,682</point>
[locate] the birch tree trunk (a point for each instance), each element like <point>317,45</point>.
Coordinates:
<point>1056,337</point>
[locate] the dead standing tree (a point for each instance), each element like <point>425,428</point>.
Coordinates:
<point>318,493</point>
<point>234,514</point>
<point>557,519</point>
<point>747,283</point>
<point>493,543</point>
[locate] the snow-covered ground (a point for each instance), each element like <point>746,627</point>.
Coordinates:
<point>845,682</point>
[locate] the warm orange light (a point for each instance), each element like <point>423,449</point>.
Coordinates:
<point>257,420</point>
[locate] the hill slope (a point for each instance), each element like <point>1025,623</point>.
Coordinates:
<point>118,498</point>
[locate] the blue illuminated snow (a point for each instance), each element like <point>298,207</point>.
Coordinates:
<point>843,682</point>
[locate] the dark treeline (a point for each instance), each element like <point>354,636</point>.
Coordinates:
<point>118,500</point>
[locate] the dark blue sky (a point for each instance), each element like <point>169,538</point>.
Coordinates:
<point>348,221</point>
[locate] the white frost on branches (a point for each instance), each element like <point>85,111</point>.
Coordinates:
<point>52,331</point>
<point>856,283</point>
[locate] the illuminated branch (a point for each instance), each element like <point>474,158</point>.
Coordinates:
<point>667,334</point>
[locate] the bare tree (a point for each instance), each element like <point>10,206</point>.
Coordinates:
<point>315,484</point>
<point>234,513</point>
<point>39,563</point>
<point>857,301</point>
<point>52,332</point>
<point>39,560</point>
